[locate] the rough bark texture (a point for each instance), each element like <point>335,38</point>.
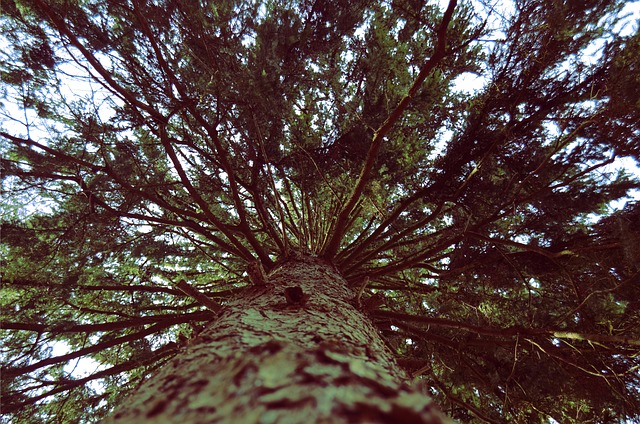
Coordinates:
<point>293,350</point>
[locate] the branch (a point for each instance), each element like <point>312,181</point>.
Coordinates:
<point>356,254</point>
<point>526,247</point>
<point>200,297</point>
<point>240,208</point>
<point>458,400</point>
<point>515,331</point>
<point>127,95</point>
<point>70,327</point>
<point>597,338</point>
<point>443,322</point>
<point>158,354</point>
<point>126,186</point>
<point>62,27</point>
<point>166,143</point>
<point>88,350</point>
<point>331,248</point>
<point>67,284</point>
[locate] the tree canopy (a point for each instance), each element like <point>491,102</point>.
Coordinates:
<point>152,145</point>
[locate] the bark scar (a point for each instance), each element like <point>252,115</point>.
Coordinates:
<point>295,296</point>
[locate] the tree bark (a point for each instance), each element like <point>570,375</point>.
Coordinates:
<point>292,350</point>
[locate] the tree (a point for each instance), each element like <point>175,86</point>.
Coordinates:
<point>166,161</point>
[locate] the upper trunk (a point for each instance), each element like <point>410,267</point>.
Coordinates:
<point>292,350</point>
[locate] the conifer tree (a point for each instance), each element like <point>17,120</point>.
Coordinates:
<point>224,176</point>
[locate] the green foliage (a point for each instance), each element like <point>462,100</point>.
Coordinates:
<point>145,143</point>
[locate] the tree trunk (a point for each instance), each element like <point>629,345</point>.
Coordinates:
<point>293,350</point>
